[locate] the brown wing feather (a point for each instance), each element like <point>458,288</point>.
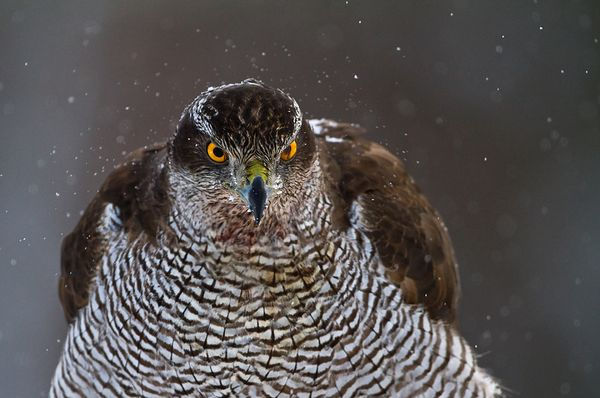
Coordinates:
<point>82,249</point>
<point>381,199</point>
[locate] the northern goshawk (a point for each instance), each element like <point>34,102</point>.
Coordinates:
<point>258,253</point>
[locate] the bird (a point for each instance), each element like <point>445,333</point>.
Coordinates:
<point>260,253</point>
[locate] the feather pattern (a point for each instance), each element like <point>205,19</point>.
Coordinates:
<point>351,292</point>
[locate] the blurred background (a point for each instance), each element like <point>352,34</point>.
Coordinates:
<point>493,105</point>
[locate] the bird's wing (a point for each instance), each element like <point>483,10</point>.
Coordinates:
<point>378,197</point>
<point>83,249</point>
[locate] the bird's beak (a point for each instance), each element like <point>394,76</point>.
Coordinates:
<point>255,191</point>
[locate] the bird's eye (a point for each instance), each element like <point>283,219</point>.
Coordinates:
<point>290,151</point>
<point>217,154</point>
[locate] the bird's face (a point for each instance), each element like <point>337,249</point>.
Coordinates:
<point>244,146</point>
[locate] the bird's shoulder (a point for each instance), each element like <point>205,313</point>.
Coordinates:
<point>130,191</point>
<point>376,195</point>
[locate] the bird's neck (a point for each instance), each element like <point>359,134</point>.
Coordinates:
<point>269,260</point>
<point>229,230</point>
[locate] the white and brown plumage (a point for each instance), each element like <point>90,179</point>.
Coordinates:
<point>341,282</point>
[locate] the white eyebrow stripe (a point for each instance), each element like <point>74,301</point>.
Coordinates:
<point>297,117</point>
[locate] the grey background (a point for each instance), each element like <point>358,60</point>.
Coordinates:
<point>494,105</point>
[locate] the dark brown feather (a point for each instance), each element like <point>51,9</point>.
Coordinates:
<point>408,234</point>
<point>135,188</point>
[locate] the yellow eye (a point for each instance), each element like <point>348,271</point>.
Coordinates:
<point>215,153</point>
<point>290,151</point>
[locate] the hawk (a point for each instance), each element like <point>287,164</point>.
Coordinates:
<point>258,253</point>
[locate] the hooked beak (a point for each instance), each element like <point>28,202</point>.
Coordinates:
<point>256,193</point>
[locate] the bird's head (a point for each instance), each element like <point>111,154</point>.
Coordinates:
<point>243,146</point>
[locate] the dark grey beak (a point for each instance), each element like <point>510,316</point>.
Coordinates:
<point>257,198</point>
